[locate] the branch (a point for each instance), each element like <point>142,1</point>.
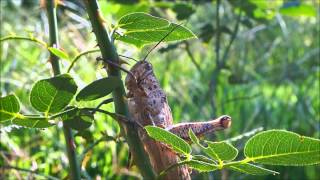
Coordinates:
<point>109,52</point>
<point>29,171</point>
<point>74,170</point>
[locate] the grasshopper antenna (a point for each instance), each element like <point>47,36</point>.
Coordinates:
<point>174,28</point>
<point>128,57</point>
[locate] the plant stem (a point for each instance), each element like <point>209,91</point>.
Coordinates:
<point>109,52</point>
<point>74,171</point>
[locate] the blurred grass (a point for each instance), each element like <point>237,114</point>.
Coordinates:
<point>271,80</point>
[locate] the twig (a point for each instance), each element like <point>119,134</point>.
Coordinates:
<point>104,138</point>
<point>78,57</point>
<point>244,135</point>
<point>33,39</point>
<point>29,171</point>
<point>164,172</point>
<point>192,57</point>
<point>106,101</point>
<point>240,98</point>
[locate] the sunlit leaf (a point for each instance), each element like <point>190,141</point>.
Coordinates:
<point>53,94</point>
<point>32,122</point>
<point>280,147</point>
<point>202,166</point>
<point>141,21</point>
<point>251,169</point>
<point>9,107</point>
<point>58,52</point>
<point>141,38</point>
<point>223,150</point>
<point>177,144</point>
<point>98,88</point>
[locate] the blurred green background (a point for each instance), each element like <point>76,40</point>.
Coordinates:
<point>266,77</point>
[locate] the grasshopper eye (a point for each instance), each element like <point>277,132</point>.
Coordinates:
<point>148,67</point>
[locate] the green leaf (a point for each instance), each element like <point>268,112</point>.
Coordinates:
<point>53,94</point>
<point>251,169</point>
<point>177,144</point>
<point>58,53</point>
<point>280,147</point>
<point>141,21</point>
<point>9,107</point>
<point>223,150</point>
<point>206,150</point>
<point>183,10</point>
<point>300,10</point>
<point>98,88</point>
<point>201,166</point>
<point>32,122</point>
<point>193,137</point>
<point>78,119</point>
<point>141,38</point>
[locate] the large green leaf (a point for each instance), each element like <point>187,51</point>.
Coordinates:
<point>78,119</point>
<point>223,150</point>
<point>201,166</point>
<point>53,94</point>
<point>280,147</point>
<point>32,122</point>
<point>141,21</point>
<point>251,169</point>
<point>141,38</point>
<point>9,107</point>
<point>98,88</point>
<point>177,144</point>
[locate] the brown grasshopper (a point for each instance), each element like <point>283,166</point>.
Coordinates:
<point>148,105</point>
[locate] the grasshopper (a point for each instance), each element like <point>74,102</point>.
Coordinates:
<point>148,105</point>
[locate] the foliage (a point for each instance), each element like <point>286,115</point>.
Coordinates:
<point>274,147</point>
<point>269,79</point>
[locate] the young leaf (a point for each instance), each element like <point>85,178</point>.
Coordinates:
<point>78,119</point>
<point>251,169</point>
<point>141,21</point>
<point>32,122</point>
<point>141,38</point>
<point>58,53</point>
<point>177,144</point>
<point>202,166</point>
<point>223,150</point>
<point>206,150</point>
<point>280,147</point>
<point>53,94</point>
<point>9,107</point>
<point>98,88</point>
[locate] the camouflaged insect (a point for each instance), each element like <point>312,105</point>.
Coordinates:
<point>148,106</point>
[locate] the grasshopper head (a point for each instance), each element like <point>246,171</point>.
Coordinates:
<point>140,71</point>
